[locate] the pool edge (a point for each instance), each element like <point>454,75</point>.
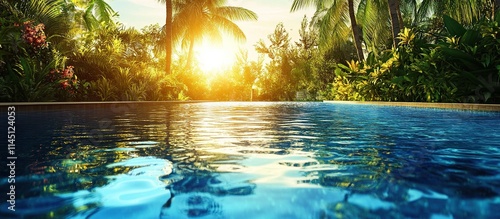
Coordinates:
<point>27,106</point>
<point>94,104</point>
<point>457,106</point>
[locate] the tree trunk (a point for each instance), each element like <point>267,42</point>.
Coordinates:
<point>496,8</point>
<point>356,31</point>
<point>400,17</point>
<point>168,36</point>
<point>396,25</point>
<point>190,53</point>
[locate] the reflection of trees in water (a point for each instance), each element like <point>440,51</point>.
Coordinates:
<point>446,167</point>
<point>194,194</point>
<point>70,154</point>
<point>419,176</point>
<point>368,160</point>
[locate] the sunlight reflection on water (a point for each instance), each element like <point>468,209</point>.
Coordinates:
<point>258,160</point>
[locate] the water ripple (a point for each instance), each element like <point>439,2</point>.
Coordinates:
<point>260,160</point>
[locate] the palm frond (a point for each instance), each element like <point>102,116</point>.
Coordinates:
<point>98,12</point>
<point>229,27</point>
<point>89,18</point>
<point>213,33</point>
<point>465,11</point>
<point>48,12</point>
<point>302,4</point>
<point>333,25</point>
<point>376,26</point>
<point>103,11</point>
<point>409,8</point>
<point>196,20</point>
<point>236,13</point>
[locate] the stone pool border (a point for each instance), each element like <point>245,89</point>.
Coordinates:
<point>27,106</point>
<point>101,104</point>
<point>456,106</point>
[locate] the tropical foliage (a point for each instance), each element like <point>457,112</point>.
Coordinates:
<point>457,64</point>
<point>430,57</point>
<point>28,59</point>
<point>387,50</point>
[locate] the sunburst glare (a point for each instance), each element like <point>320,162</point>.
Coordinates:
<point>214,57</point>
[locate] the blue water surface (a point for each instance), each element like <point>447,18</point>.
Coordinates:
<point>254,160</point>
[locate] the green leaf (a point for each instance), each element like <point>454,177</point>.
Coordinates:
<point>462,56</point>
<point>473,78</point>
<point>487,95</point>
<point>370,59</point>
<point>470,37</point>
<point>342,66</point>
<point>454,28</point>
<point>398,81</point>
<point>339,72</point>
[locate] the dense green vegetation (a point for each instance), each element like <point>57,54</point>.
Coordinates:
<point>391,50</point>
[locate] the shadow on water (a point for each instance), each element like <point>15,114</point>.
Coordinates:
<point>272,160</point>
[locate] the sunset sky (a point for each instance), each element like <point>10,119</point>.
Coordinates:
<point>139,13</point>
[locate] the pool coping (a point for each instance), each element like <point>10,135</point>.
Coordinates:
<point>93,102</point>
<point>28,106</point>
<point>99,104</point>
<point>456,106</point>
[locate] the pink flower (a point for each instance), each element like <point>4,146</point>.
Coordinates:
<point>64,84</point>
<point>34,35</point>
<point>68,72</point>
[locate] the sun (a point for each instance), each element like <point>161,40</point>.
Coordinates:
<point>214,58</point>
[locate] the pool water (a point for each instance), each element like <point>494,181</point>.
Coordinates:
<point>254,160</point>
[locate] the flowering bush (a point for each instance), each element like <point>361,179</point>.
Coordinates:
<point>34,35</point>
<point>65,80</point>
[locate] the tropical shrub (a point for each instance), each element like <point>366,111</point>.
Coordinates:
<point>474,53</point>
<point>32,80</point>
<point>29,66</point>
<point>462,64</point>
<point>103,89</point>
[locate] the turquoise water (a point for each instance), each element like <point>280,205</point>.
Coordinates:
<point>255,160</point>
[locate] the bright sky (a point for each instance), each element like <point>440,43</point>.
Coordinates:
<point>139,13</point>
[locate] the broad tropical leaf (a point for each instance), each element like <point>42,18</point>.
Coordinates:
<point>453,27</point>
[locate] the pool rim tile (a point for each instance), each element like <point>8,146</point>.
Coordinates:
<point>101,104</point>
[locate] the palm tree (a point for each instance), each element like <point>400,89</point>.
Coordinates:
<point>196,19</point>
<point>374,18</point>
<point>396,22</point>
<point>168,34</point>
<point>356,30</point>
<point>328,37</point>
<point>331,18</point>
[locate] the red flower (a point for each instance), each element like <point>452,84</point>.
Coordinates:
<point>64,84</point>
<point>34,35</point>
<point>68,72</point>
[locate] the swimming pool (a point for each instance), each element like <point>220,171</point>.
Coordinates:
<point>254,160</point>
